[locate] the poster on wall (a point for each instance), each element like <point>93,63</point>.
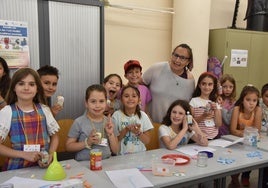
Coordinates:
<point>239,58</point>
<point>14,46</point>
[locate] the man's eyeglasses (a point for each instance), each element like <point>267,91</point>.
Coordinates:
<point>182,58</point>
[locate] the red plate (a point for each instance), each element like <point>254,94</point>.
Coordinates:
<point>179,159</point>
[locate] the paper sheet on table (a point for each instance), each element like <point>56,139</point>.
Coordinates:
<point>128,178</point>
<point>193,150</point>
<point>19,182</point>
<point>26,182</point>
<point>230,137</point>
<point>224,143</point>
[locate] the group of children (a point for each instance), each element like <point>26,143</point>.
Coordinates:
<point>28,118</point>
<point>117,119</point>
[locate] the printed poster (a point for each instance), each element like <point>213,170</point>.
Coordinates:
<point>239,58</point>
<point>14,46</point>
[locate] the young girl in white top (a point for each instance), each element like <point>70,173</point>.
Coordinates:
<point>132,123</point>
<point>28,122</point>
<point>175,129</point>
<point>204,108</point>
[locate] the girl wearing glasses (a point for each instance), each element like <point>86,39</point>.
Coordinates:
<point>169,81</point>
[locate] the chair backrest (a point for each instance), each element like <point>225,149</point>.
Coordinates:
<point>3,158</point>
<point>65,125</point>
<point>154,143</point>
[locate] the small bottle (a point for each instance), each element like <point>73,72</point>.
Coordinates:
<point>132,120</point>
<point>45,156</point>
<point>189,118</point>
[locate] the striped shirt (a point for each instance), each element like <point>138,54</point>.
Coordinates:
<point>207,126</point>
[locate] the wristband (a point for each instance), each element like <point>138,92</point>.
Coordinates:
<point>86,144</point>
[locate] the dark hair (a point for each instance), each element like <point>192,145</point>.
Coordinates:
<point>107,78</point>
<point>190,65</point>
<point>95,87</point>
<point>246,90</point>
<point>227,77</point>
<point>184,104</point>
<point>48,70</point>
<point>138,110</point>
<point>213,94</point>
<point>264,89</point>
<point>5,80</point>
<point>17,77</point>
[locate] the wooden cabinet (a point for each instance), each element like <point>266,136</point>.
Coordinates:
<point>222,41</point>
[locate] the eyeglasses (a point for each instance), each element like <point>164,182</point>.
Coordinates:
<point>182,58</point>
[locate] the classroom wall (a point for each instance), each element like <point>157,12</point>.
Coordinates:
<point>147,36</point>
<point>144,36</point>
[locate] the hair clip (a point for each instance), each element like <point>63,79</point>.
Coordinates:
<point>250,85</point>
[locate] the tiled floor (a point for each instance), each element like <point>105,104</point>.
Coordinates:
<point>253,179</point>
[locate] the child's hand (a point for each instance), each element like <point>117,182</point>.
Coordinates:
<point>93,138</point>
<point>185,123</point>
<point>109,128</point>
<point>219,100</point>
<point>32,156</point>
<point>56,108</point>
<point>135,129</point>
<point>209,115</point>
<point>213,106</point>
<point>45,165</point>
<point>194,126</point>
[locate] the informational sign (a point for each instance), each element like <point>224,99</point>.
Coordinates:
<point>239,58</point>
<point>14,46</point>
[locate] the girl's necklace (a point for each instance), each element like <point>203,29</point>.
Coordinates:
<point>101,129</point>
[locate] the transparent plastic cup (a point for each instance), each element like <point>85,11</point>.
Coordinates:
<point>202,159</point>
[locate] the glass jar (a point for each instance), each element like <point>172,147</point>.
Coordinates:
<point>251,136</point>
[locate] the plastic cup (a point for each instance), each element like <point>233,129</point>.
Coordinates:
<point>202,159</point>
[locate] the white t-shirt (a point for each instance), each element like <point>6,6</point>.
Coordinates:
<point>6,116</point>
<point>168,131</point>
<point>131,143</point>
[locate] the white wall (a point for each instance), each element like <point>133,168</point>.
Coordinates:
<point>147,37</point>
<point>144,36</point>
